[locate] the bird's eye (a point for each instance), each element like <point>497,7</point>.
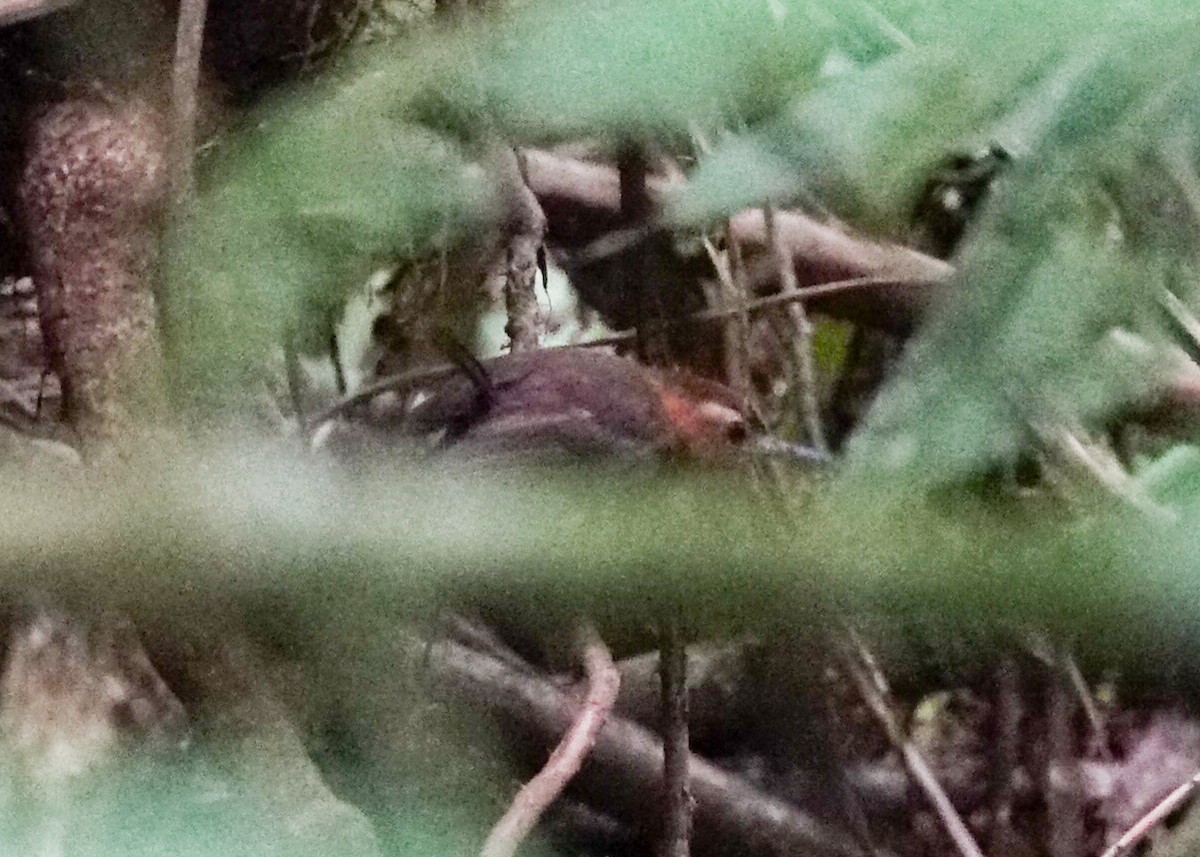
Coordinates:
<point>737,432</point>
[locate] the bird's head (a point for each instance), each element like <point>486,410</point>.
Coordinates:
<point>705,417</point>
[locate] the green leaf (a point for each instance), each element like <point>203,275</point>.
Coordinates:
<point>327,187</point>
<point>866,141</point>
<point>630,69</point>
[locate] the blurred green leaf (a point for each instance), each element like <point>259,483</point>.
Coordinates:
<point>1068,259</point>
<point>633,70</point>
<point>1174,478</point>
<point>328,186</point>
<point>865,141</point>
<point>398,541</point>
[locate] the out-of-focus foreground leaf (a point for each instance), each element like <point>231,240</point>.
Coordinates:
<point>400,540</point>
<point>865,141</point>
<point>1057,317</point>
<point>634,71</point>
<point>329,186</point>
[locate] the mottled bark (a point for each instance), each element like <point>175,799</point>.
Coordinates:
<point>91,194</point>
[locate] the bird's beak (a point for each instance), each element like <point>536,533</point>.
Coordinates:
<point>765,444</point>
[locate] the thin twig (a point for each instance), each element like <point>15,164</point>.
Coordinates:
<point>677,797</point>
<point>1006,738</point>
<point>185,81</point>
<point>873,689</point>
<point>802,341</point>
<point>531,801</point>
<point>1099,736</point>
<point>1063,780</point>
<point>401,382</point>
<point>808,293</point>
<point>1094,462</point>
<point>525,223</point>
<point>472,632</point>
<point>1182,315</point>
<point>721,295</point>
<point>1144,825</point>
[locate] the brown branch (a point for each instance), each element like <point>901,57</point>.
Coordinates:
<point>583,203</point>
<point>873,690</point>
<point>1006,739</point>
<point>14,11</point>
<point>1144,825</point>
<point>525,225</point>
<point>185,79</point>
<point>677,798</point>
<point>823,252</point>
<point>802,341</point>
<point>531,801</point>
<point>626,764</point>
<point>1063,783</point>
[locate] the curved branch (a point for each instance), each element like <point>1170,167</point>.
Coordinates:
<point>531,801</point>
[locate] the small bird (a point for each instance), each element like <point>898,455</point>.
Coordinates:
<point>581,404</point>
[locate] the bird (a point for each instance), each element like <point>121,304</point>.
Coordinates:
<point>578,404</point>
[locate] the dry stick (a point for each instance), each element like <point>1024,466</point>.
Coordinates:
<point>736,331</point>
<point>481,638</point>
<point>1181,314</point>
<point>535,796</point>
<point>873,689</point>
<point>525,224</point>
<point>771,468</point>
<point>1007,741</point>
<point>1099,736</point>
<point>802,342</point>
<point>637,207</point>
<point>583,202</point>
<point>741,307</point>
<point>400,383</point>
<point>185,80</point>
<point>1096,463</point>
<point>1144,825</point>
<point>1063,783</point>
<point>12,11</point>
<point>677,797</point>
<point>1037,642</point>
